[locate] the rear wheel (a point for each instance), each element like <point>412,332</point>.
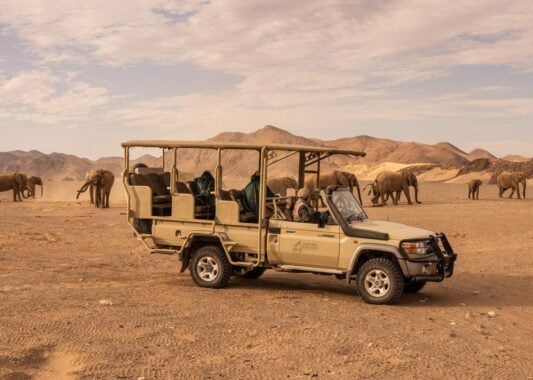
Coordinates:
<point>413,286</point>
<point>210,267</point>
<point>253,274</point>
<point>380,281</point>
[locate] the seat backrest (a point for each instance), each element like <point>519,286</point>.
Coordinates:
<point>235,195</point>
<point>193,187</point>
<point>145,170</point>
<point>225,195</point>
<point>138,180</point>
<point>156,184</point>
<point>165,177</point>
<point>182,188</point>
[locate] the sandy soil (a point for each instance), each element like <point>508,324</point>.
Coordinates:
<point>81,298</point>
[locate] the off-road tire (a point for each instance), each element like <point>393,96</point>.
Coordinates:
<point>253,274</point>
<point>411,286</point>
<point>380,281</point>
<point>210,267</point>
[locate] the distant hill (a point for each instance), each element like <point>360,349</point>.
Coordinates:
<point>480,153</point>
<point>516,158</point>
<point>58,166</point>
<point>241,164</point>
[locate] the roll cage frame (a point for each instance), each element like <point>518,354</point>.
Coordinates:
<point>269,154</point>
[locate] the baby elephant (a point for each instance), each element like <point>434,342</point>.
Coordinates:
<point>473,188</point>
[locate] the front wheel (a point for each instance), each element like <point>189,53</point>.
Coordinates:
<point>380,281</point>
<point>210,267</point>
<point>413,286</point>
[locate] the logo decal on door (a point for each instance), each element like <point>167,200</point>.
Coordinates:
<point>301,246</point>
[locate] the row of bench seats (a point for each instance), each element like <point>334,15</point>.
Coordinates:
<point>159,183</point>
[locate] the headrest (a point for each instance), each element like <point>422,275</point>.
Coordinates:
<point>145,171</point>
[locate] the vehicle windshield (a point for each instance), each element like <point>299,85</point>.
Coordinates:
<point>348,206</point>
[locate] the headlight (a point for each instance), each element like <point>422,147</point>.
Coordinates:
<point>415,247</point>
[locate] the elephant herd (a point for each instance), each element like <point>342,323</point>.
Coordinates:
<point>22,186</point>
<point>504,181</point>
<point>389,184</point>
<point>99,182</point>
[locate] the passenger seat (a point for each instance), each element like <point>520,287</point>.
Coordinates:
<point>160,194</point>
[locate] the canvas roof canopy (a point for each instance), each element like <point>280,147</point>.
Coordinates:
<point>166,144</point>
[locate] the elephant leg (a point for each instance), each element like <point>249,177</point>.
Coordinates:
<point>382,196</point>
<point>16,193</point>
<point>398,195</point>
<point>407,195</point>
<point>97,199</point>
<point>469,192</point>
<point>361,199</point>
<point>518,191</point>
<point>91,193</point>
<point>394,197</point>
<point>512,192</point>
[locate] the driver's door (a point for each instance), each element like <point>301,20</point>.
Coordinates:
<point>308,245</point>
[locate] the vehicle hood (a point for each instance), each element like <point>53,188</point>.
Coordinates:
<point>396,231</point>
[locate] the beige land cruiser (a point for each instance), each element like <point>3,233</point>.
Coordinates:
<point>216,237</point>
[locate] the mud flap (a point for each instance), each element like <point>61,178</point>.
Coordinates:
<point>184,262</point>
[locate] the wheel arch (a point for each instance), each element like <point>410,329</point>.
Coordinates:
<point>197,239</point>
<point>367,251</point>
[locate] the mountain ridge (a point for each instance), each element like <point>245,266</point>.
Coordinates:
<point>59,166</point>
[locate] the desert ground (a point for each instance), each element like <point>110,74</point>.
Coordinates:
<point>81,298</point>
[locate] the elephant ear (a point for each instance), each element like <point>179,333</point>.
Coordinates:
<point>19,179</point>
<point>412,179</point>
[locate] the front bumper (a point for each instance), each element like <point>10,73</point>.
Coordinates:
<point>437,266</point>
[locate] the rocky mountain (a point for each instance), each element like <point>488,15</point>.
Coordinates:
<point>59,166</point>
<point>241,164</point>
<point>481,153</point>
<point>515,158</point>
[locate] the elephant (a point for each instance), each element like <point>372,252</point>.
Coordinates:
<point>279,185</point>
<point>17,182</point>
<point>335,178</point>
<point>512,181</point>
<point>32,182</point>
<point>473,188</point>
<point>88,176</point>
<point>374,190</point>
<point>102,180</point>
<point>388,182</point>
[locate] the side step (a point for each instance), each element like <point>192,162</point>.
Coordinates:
<point>152,247</point>
<point>164,251</point>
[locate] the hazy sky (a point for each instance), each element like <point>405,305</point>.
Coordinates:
<point>82,76</point>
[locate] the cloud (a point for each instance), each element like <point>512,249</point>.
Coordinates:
<point>309,64</point>
<point>42,97</point>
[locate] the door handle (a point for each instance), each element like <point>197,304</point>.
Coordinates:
<point>290,231</point>
<point>327,235</point>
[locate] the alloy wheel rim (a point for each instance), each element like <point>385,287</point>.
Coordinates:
<point>207,269</point>
<point>377,283</point>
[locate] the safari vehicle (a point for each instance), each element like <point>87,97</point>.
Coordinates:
<point>384,259</point>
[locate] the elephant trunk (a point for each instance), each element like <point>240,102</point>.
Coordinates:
<point>364,188</point>
<point>84,188</point>
<point>524,190</point>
